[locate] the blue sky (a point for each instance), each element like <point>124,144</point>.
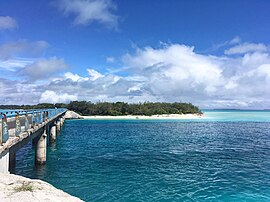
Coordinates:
<point>211,53</point>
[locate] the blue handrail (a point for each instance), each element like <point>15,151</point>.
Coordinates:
<point>14,113</point>
<point>38,116</point>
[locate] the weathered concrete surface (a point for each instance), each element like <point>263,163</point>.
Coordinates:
<point>62,120</point>
<point>14,143</point>
<point>58,127</point>
<point>41,148</point>
<point>17,188</point>
<point>4,162</point>
<point>72,115</point>
<point>53,134</point>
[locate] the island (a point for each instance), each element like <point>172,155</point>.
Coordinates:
<point>121,110</point>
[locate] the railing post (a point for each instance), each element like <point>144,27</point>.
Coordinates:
<point>38,118</point>
<point>36,114</point>
<point>0,129</point>
<point>43,116</point>
<point>26,122</point>
<point>46,115</point>
<point>5,134</point>
<point>17,125</point>
<point>33,119</point>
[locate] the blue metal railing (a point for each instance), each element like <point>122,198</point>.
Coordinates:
<point>38,116</point>
<point>13,113</point>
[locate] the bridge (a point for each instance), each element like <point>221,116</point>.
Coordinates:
<point>19,127</point>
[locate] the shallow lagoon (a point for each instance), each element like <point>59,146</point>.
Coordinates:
<point>224,156</point>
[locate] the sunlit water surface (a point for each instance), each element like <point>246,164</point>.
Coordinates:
<point>224,156</point>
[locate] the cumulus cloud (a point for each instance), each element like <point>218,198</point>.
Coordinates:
<point>43,68</point>
<point>52,97</point>
<point>246,48</point>
<point>88,11</point>
<point>19,92</point>
<point>174,69</point>
<point>22,48</point>
<point>94,75</point>
<point>176,72</point>
<point>7,22</point>
<point>173,72</point>
<point>73,77</point>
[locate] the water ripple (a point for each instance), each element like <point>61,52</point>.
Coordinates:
<point>158,161</point>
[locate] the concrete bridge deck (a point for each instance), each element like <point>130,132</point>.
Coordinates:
<point>18,128</point>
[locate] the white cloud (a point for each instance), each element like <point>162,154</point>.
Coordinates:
<point>74,77</point>
<point>43,68</point>
<point>89,11</point>
<point>175,69</point>
<point>22,48</point>
<point>14,64</point>
<point>18,92</point>
<point>171,73</point>
<point>215,47</point>
<point>110,59</point>
<point>246,48</point>
<point>7,22</point>
<point>94,74</point>
<point>52,97</point>
<point>235,40</point>
<point>177,73</point>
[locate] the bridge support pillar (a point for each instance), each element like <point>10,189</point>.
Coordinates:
<point>4,162</point>
<point>61,122</point>
<point>12,162</point>
<point>41,146</point>
<point>53,134</point>
<point>58,127</point>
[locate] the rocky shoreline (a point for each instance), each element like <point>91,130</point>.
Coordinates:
<point>72,115</point>
<point>22,189</point>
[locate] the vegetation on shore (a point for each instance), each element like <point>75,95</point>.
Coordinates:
<point>26,186</point>
<point>117,108</point>
<point>37,106</point>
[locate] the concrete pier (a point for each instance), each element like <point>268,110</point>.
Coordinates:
<point>61,122</point>
<point>12,162</point>
<point>53,134</point>
<point>58,127</point>
<point>41,147</point>
<point>22,127</point>
<point>4,162</point>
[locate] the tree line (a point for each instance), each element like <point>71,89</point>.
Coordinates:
<point>116,108</point>
<point>122,108</point>
<point>37,106</point>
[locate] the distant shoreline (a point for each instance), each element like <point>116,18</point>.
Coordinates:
<point>142,117</point>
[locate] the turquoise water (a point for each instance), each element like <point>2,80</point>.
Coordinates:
<point>237,115</point>
<point>222,157</point>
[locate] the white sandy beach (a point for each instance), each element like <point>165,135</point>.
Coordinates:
<point>131,117</point>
